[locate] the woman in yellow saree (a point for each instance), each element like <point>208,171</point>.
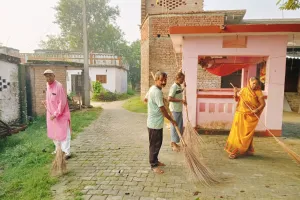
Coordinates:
<point>240,140</point>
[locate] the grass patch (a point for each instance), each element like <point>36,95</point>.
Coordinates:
<point>135,104</point>
<point>25,159</point>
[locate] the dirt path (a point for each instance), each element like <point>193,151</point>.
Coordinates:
<point>111,162</point>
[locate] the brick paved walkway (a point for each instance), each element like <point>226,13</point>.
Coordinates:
<point>111,162</point>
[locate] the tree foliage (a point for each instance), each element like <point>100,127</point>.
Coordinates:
<point>131,54</point>
<point>101,27</point>
<point>55,42</point>
<point>103,33</point>
<point>288,4</point>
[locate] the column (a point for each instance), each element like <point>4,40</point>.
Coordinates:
<point>275,90</point>
<point>190,67</point>
<point>244,77</point>
<point>251,72</point>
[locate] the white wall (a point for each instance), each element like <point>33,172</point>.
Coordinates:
<point>69,81</point>
<point>9,97</point>
<point>116,78</point>
<point>121,81</point>
<point>110,76</point>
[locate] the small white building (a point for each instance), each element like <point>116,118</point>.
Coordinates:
<point>112,78</point>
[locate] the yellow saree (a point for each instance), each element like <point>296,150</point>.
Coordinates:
<point>240,140</point>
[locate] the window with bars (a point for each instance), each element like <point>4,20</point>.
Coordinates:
<point>101,78</point>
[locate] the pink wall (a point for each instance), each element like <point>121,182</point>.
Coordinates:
<point>272,46</point>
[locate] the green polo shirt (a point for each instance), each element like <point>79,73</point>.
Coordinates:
<point>175,92</point>
<point>155,118</point>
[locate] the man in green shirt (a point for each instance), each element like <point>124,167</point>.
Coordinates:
<point>175,105</point>
<point>155,120</point>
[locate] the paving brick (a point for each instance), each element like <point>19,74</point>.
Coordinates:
<point>92,192</point>
<point>114,198</point>
<point>112,192</point>
<point>147,198</point>
<point>98,197</point>
<point>86,197</point>
<point>130,183</point>
<point>151,189</point>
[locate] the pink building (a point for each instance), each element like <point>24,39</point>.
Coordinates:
<point>250,46</point>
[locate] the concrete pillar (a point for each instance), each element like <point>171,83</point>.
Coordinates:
<point>190,67</point>
<point>275,89</point>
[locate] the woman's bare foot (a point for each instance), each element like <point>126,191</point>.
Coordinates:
<point>232,156</point>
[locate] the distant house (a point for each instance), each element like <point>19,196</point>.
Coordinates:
<point>103,67</point>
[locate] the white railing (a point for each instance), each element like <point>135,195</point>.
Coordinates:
<point>216,108</point>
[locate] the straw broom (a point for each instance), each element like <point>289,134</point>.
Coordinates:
<point>59,165</point>
<point>291,153</point>
<point>198,171</point>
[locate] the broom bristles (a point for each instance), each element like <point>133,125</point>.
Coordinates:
<point>191,143</point>
<point>192,138</point>
<point>193,157</point>
<point>293,154</point>
<point>198,171</point>
<point>59,165</point>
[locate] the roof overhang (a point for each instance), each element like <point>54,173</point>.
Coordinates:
<point>177,33</point>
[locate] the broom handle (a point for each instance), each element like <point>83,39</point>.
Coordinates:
<point>186,109</point>
<point>170,114</point>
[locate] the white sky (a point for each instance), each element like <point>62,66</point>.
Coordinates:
<point>24,23</point>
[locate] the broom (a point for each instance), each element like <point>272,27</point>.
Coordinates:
<point>197,169</point>
<point>59,165</point>
<point>293,154</point>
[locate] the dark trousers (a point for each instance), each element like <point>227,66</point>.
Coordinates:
<point>155,142</point>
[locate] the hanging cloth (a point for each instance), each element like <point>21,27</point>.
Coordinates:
<point>225,69</point>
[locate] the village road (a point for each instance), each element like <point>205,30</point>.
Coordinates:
<point>111,162</point>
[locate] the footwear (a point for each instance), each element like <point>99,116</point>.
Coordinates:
<point>157,170</point>
<point>161,164</point>
<point>67,157</point>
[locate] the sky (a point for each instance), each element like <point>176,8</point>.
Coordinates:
<point>23,24</point>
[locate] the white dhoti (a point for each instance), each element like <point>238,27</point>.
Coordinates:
<point>65,145</point>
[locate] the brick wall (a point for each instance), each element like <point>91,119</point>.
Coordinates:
<point>161,24</point>
<point>38,84</point>
<point>158,53</point>
<point>162,58</point>
<point>145,31</point>
<point>207,80</point>
<point>143,10</point>
<point>173,6</point>
<point>145,66</point>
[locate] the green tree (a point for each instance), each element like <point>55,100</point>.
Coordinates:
<point>101,27</point>
<point>55,42</point>
<point>132,57</point>
<point>288,4</point>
